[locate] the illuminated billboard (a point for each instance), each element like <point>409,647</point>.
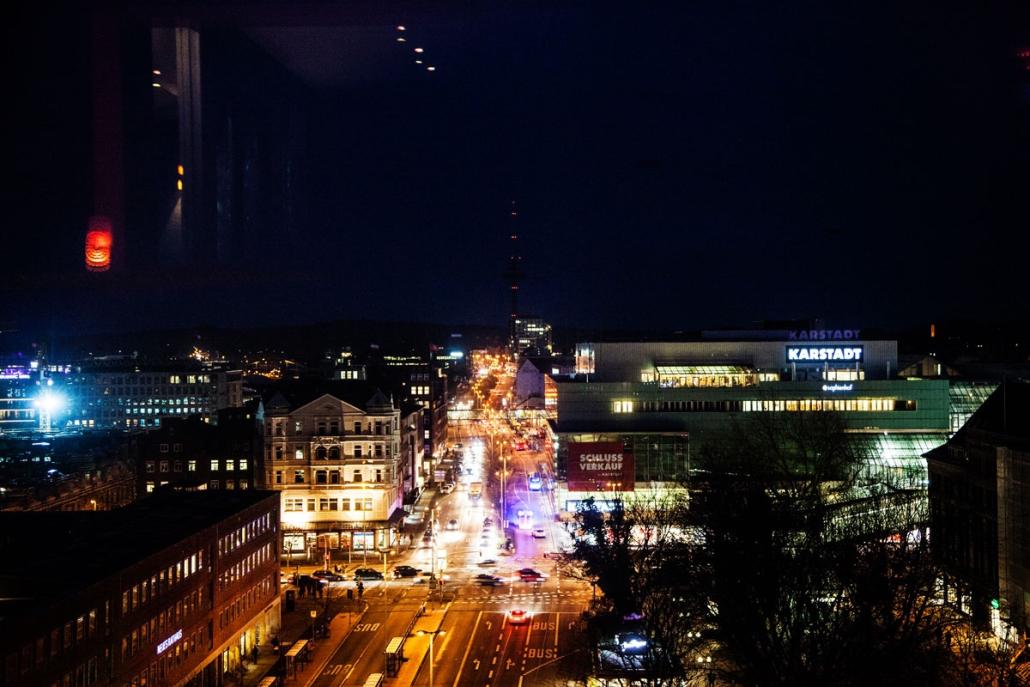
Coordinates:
<point>600,466</point>
<point>821,354</point>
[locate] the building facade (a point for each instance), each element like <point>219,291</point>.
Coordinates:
<point>980,513</point>
<point>132,397</point>
<point>193,454</point>
<point>532,336</point>
<point>187,584</point>
<point>339,467</point>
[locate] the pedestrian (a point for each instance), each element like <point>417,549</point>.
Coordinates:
<point>254,654</point>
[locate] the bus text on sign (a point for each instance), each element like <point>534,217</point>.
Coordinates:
<point>170,641</point>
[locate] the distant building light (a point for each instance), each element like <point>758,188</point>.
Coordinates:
<point>180,169</point>
<point>457,354</point>
<point>430,69</point>
<point>156,85</point>
<point>401,28</point>
<point>419,50</point>
<point>402,39</point>
<point>98,244</point>
<point>157,72</point>
<point>418,61</point>
<point>178,184</point>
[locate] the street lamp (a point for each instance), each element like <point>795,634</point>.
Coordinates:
<point>432,634</point>
<point>314,614</point>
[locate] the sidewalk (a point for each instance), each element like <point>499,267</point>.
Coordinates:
<point>297,625</point>
<point>416,648</point>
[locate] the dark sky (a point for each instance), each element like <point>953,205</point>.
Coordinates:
<point>674,168</point>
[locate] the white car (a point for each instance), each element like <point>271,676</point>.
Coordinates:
<point>539,533</point>
<point>447,489</point>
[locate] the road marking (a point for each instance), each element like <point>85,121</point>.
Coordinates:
<point>494,661</point>
<point>467,649</point>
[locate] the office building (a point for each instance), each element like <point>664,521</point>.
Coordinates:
<point>659,400</point>
<point>532,336</point>
<point>979,502</point>
<point>171,590</point>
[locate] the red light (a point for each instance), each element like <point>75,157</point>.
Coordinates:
<point>98,244</point>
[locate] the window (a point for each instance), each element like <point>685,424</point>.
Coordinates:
<point>334,427</point>
<point>357,451</point>
<point>379,475</point>
<point>344,504</point>
<point>244,484</point>
<point>150,487</point>
<point>164,466</point>
<point>244,463</point>
<point>214,465</point>
<point>230,465</point>
<point>321,453</point>
<point>191,466</point>
<point>321,477</point>
<point>298,477</point>
<point>334,477</point>
<point>321,427</point>
<point>323,504</point>
<point>178,466</point>
<point>298,427</point>
<point>279,453</point>
<point>164,448</point>
<point>278,476</point>
<point>378,450</point>
<point>357,476</point>
<point>150,466</point>
<point>298,454</point>
<point>177,448</point>
<point>213,484</point>
<point>622,406</point>
<point>311,505</point>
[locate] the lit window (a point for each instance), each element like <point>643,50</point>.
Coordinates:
<point>622,406</point>
<point>230,465</point>
<point>191,466</point>
<point>150,487</point>
<point>214,465</point>
<point>243,464</point>
<point>299,454</point>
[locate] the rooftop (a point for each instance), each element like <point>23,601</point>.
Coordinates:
<point>53,555</point>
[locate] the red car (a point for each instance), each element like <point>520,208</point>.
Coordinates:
<point>531,575</point>
<point>517,616</point>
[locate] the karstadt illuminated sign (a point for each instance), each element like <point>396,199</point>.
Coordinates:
<point>824,335</point>
<point>819,354</point>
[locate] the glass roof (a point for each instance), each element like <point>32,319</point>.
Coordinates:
<point>676,370</point>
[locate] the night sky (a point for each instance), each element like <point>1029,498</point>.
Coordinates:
<point>715,164</point>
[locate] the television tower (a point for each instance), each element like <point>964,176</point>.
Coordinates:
<point>513,275</point>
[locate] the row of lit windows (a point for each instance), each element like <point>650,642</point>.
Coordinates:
<point>150,588</point>
<point>849,405</point>
<point>332,476</point>
<point>240,535</point>
<point>213,484</point>
<point>297,505</point>
<point>244,566</point>
<point>155,673</point>
<point>191,465</point>
<point>332,427</point>
<point>334,452</point>
<point>168,619</point>
<point>255,595</point>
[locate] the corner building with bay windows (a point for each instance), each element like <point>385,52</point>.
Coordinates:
<point>168,592</point>
<point>340,466</point>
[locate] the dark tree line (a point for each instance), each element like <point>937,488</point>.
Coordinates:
<point>785,566</point>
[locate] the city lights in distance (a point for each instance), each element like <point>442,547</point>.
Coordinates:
<point>430,69</point>
<point>419,50</point>
<point>418,61</point>
<point>156,85</point>
<point>402,39</point>
<point>157,72</point>
<point>401,27</point>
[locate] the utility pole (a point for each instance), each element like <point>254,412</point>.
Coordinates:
<point>514,273</point>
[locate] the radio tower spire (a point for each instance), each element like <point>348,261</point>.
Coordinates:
<point>513,274</point>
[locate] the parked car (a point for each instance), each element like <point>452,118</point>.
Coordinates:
<point>405,571</point>
<point>487,562</point>
<point>447,489</point>
<point>328,575</point>
<point>367,574</point>
<point>452,525</point>
<point>488,580</point>
<point>539,533</point>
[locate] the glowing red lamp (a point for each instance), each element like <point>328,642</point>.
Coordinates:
<point>98,244</point>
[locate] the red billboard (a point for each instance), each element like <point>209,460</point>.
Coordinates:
<point>600,466</point>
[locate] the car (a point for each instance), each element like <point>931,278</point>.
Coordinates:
<point>487,522</point>
<point>531,575</point>
<point>447,489</point>
<point>328,575</point>
<point>517,616</point>
<point>367,574</point>
<point>539,533</point>
<point>405,571</point>
<point>486,562</point>
<point>452,525</point>
<point>488,580</point>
